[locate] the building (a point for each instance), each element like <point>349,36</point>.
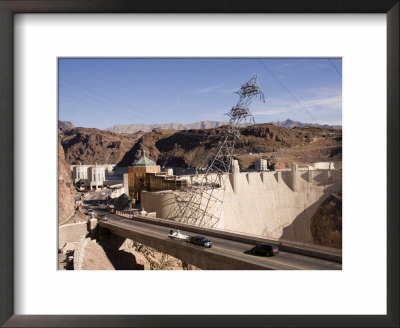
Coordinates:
<point>79,172</point>
<point>162,181</point>
<point>88,177</point>
<point>261,165</point>
<point>145,175</point>
<point>137,175</point>
<point>96,176</point>
<point>109,168</point>
<point>168,171</point>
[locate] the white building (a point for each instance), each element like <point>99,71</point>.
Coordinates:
<point>108,167</point>
<point>96,176</point>
<point>79,172</point>
<point>261,165</point>
<point>169,171</point>
<point>88,176</point>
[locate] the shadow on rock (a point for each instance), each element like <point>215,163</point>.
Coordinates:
<point>122,260</point>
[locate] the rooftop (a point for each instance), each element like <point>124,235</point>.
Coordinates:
<point>144,161</point>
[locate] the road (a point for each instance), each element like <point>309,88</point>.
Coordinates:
<point>284,260</point>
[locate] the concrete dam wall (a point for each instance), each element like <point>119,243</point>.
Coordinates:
<point>276,204</point>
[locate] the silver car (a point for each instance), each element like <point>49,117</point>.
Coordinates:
<point>103,217</point>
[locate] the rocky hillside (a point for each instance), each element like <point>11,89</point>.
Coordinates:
<point>91,146</point>
<point>288,123</point>
<point>135,257</point>
<point>66,203</point>
<point>193,148</point>
<point>132,128</point>
<point>64,125</point>
<point>326,224</point>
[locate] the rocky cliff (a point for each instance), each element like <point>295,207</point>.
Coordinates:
<point>64,125</point>
<point>326,224</point>
<point>90,146</point>
<point>66,203</point>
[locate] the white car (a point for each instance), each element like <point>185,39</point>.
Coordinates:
<point>177,235</point>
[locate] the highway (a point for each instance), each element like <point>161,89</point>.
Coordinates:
<point>283,261</point>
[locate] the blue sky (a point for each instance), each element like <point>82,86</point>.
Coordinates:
<point>103,92</point>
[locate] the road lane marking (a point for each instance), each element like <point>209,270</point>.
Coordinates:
<point>141,229</point>
<point>267,260</point>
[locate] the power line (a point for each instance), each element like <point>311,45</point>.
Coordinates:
<point>287,90</point>
<point>334,66</point>
<point>136,110</point>
<point>89,96</point>
<point>90,104</point>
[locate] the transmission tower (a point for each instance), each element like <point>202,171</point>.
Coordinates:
<point>200,202</point>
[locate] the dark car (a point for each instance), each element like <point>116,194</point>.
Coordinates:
<point>267,249</point>
<point>199,240</point>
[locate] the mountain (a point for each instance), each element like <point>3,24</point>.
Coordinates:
<point>132,128</point>
<point>64,125</point>
<point>195,147</point>
<point>90,146</point>
<point>295,124</point>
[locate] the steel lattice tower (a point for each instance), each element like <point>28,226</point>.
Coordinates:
<point>200,203</point>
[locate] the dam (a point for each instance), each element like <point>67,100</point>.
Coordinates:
<point>272,204</point>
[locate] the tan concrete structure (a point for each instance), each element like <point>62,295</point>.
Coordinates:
<point>295,168</point>
<point>323,165</point>
<point>145,175</point>
<point>137,175</point>
<point>137,179</point>
<point>264,203</point>
<point>162,181</point>
<point>126,183</point>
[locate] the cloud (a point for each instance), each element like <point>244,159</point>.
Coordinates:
<point>328,103</point>
<point>312,106</point>
<point>227,90</point>
<point>216,89</point>
<point>273,111</point>
<point>320,92</point>
<point>209,89</point>
<point>280,66</point>
<point>331,122</point>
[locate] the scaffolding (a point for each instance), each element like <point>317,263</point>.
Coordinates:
<point>200,202</point>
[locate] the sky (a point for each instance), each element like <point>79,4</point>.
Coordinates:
<point>103,92</point>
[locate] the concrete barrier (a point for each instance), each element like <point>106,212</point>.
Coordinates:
<point>207,259</point>
<point>326,253</point>
<point>69,233</point>
<point>79,252</point>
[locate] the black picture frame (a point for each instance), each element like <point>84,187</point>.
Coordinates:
<point>7,10</point>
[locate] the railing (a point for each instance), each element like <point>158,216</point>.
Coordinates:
<point>125,214</point>
<point>131,213</point>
